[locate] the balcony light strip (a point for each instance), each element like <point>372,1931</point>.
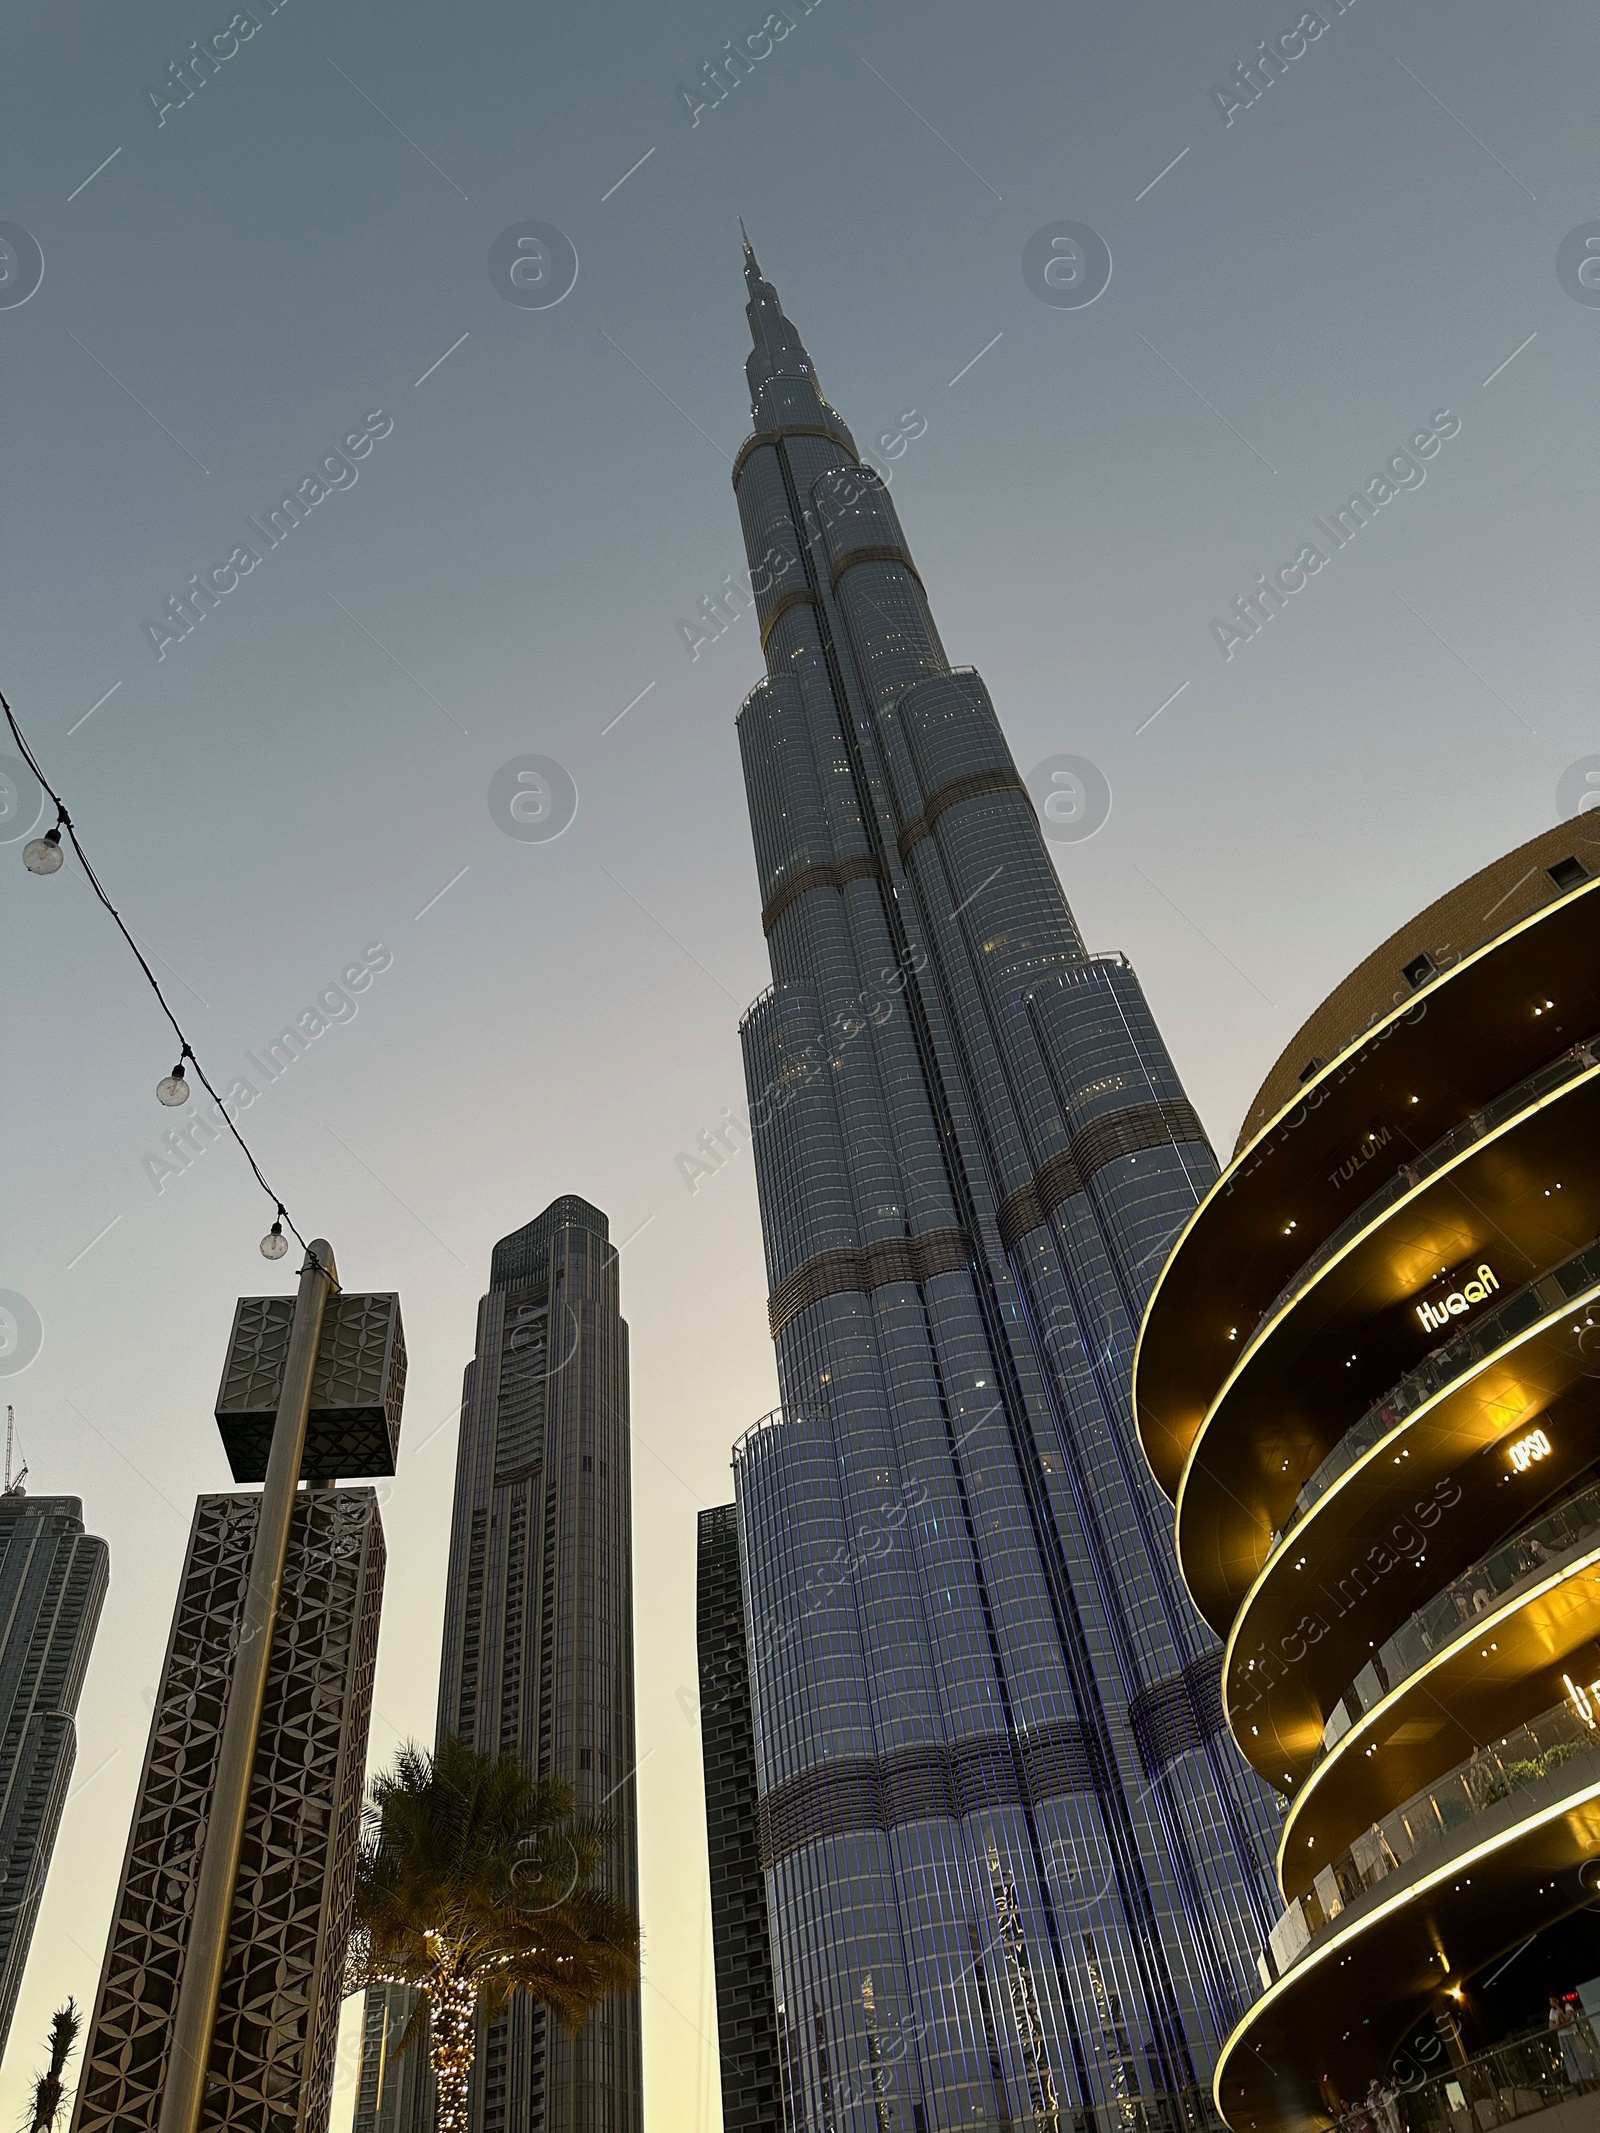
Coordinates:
<point>1229,1176</point>
<point>1420,1887</point>
<point>1479,1626</point>
<point>1385,1444</point>
<point>1589,1077</point>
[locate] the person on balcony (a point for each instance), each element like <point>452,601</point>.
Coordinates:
<point>1573,2039</point>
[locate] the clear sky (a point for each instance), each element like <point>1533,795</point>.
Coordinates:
<point>301,253</point>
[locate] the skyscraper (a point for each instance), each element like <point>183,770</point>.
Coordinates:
<point>53,1579</point>
<point>747,2023</point>
<point>538,1641</point>
<point>1016,1870</point>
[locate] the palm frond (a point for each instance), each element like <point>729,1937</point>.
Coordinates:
<point>475,1872</point>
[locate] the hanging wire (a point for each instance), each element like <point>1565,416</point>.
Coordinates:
<point>65,821</point>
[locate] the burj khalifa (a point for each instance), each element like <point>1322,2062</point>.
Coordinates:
<point>1016,1871</point>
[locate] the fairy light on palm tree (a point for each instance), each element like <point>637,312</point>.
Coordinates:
<point>478,1885</point>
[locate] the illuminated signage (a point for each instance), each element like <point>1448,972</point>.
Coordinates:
<point>1436,1316</point>
<point>1583,1700</point>
<point>1522,1454</point>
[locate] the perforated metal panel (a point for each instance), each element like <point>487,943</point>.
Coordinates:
<point>276,2035</point>
<point>356,1392</point>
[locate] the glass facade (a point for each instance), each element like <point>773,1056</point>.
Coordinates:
<point>1015,1870</point>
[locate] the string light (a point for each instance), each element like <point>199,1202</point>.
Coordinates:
<point>43,855</point>
<point>174,1090</point>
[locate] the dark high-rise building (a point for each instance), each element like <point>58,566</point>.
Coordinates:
<point>277,2029</point>
<point>538,1639</point>
<point>747,2021</point>
<point>1017,1872</point>
<point>53,1579</point>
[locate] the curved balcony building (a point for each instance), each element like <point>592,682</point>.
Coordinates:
<point>1369,1378</point>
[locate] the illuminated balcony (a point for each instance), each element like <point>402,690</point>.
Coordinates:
<point>1494,1204</point>
<point>1493,1647</point>
<point>1369,1378</point>
<point>1408,1911</point>
<point>1431,1056</point>
<point>1424,1483</point>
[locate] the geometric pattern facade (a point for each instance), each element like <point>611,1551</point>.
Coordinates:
<point>356,1388</point>
<point>273,2047</point>
<point>747,2018</point>
<point>1015,1868</point>
<point>538,1649</point>
<point>53,1579</point>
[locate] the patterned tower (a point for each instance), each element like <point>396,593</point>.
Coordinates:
<point>53,1579</point>
<point>277,2032</point>
<point>538,1647</point>
<point>1015,1869</point>
<point>747,2021</point>
<point>274,2039</point>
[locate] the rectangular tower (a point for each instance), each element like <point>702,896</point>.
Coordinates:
<point>747,2020</point>
<point>53,1579</point>
<point>1016,1870</point>
<point>277,2029</point>
<point>538,1638</point>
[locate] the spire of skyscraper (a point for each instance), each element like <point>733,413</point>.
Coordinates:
<point>782,376</point>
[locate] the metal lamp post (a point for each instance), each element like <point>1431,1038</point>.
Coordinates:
<point>183,2098</point>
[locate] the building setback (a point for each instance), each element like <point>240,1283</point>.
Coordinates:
<point>538,1646</point>
<point>747,2021</point>
<point>53,1580</point>
<point>1016,1870</point>
<point>276,2035</point>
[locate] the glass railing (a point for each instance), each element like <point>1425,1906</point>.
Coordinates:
<point>1519,2076</point>
<point>1474,1344</point>
<point>1541,1549</point>
<point>1430,1819</point>
<point>1542,1082</point>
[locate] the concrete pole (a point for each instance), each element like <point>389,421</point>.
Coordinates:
<point>199,1988</point>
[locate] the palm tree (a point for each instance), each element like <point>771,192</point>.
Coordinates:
<point>477,1884</point>
<point>48,2090</point>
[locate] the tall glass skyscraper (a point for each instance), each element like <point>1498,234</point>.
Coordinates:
<point>538,1650</point>
<point>1016,1871</point>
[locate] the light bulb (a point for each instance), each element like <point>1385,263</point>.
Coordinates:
<point>274,1244</point>
<point>173,1089</point>
<point>44,854</point>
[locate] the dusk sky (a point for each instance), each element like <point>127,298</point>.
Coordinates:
<point>316,776</point>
